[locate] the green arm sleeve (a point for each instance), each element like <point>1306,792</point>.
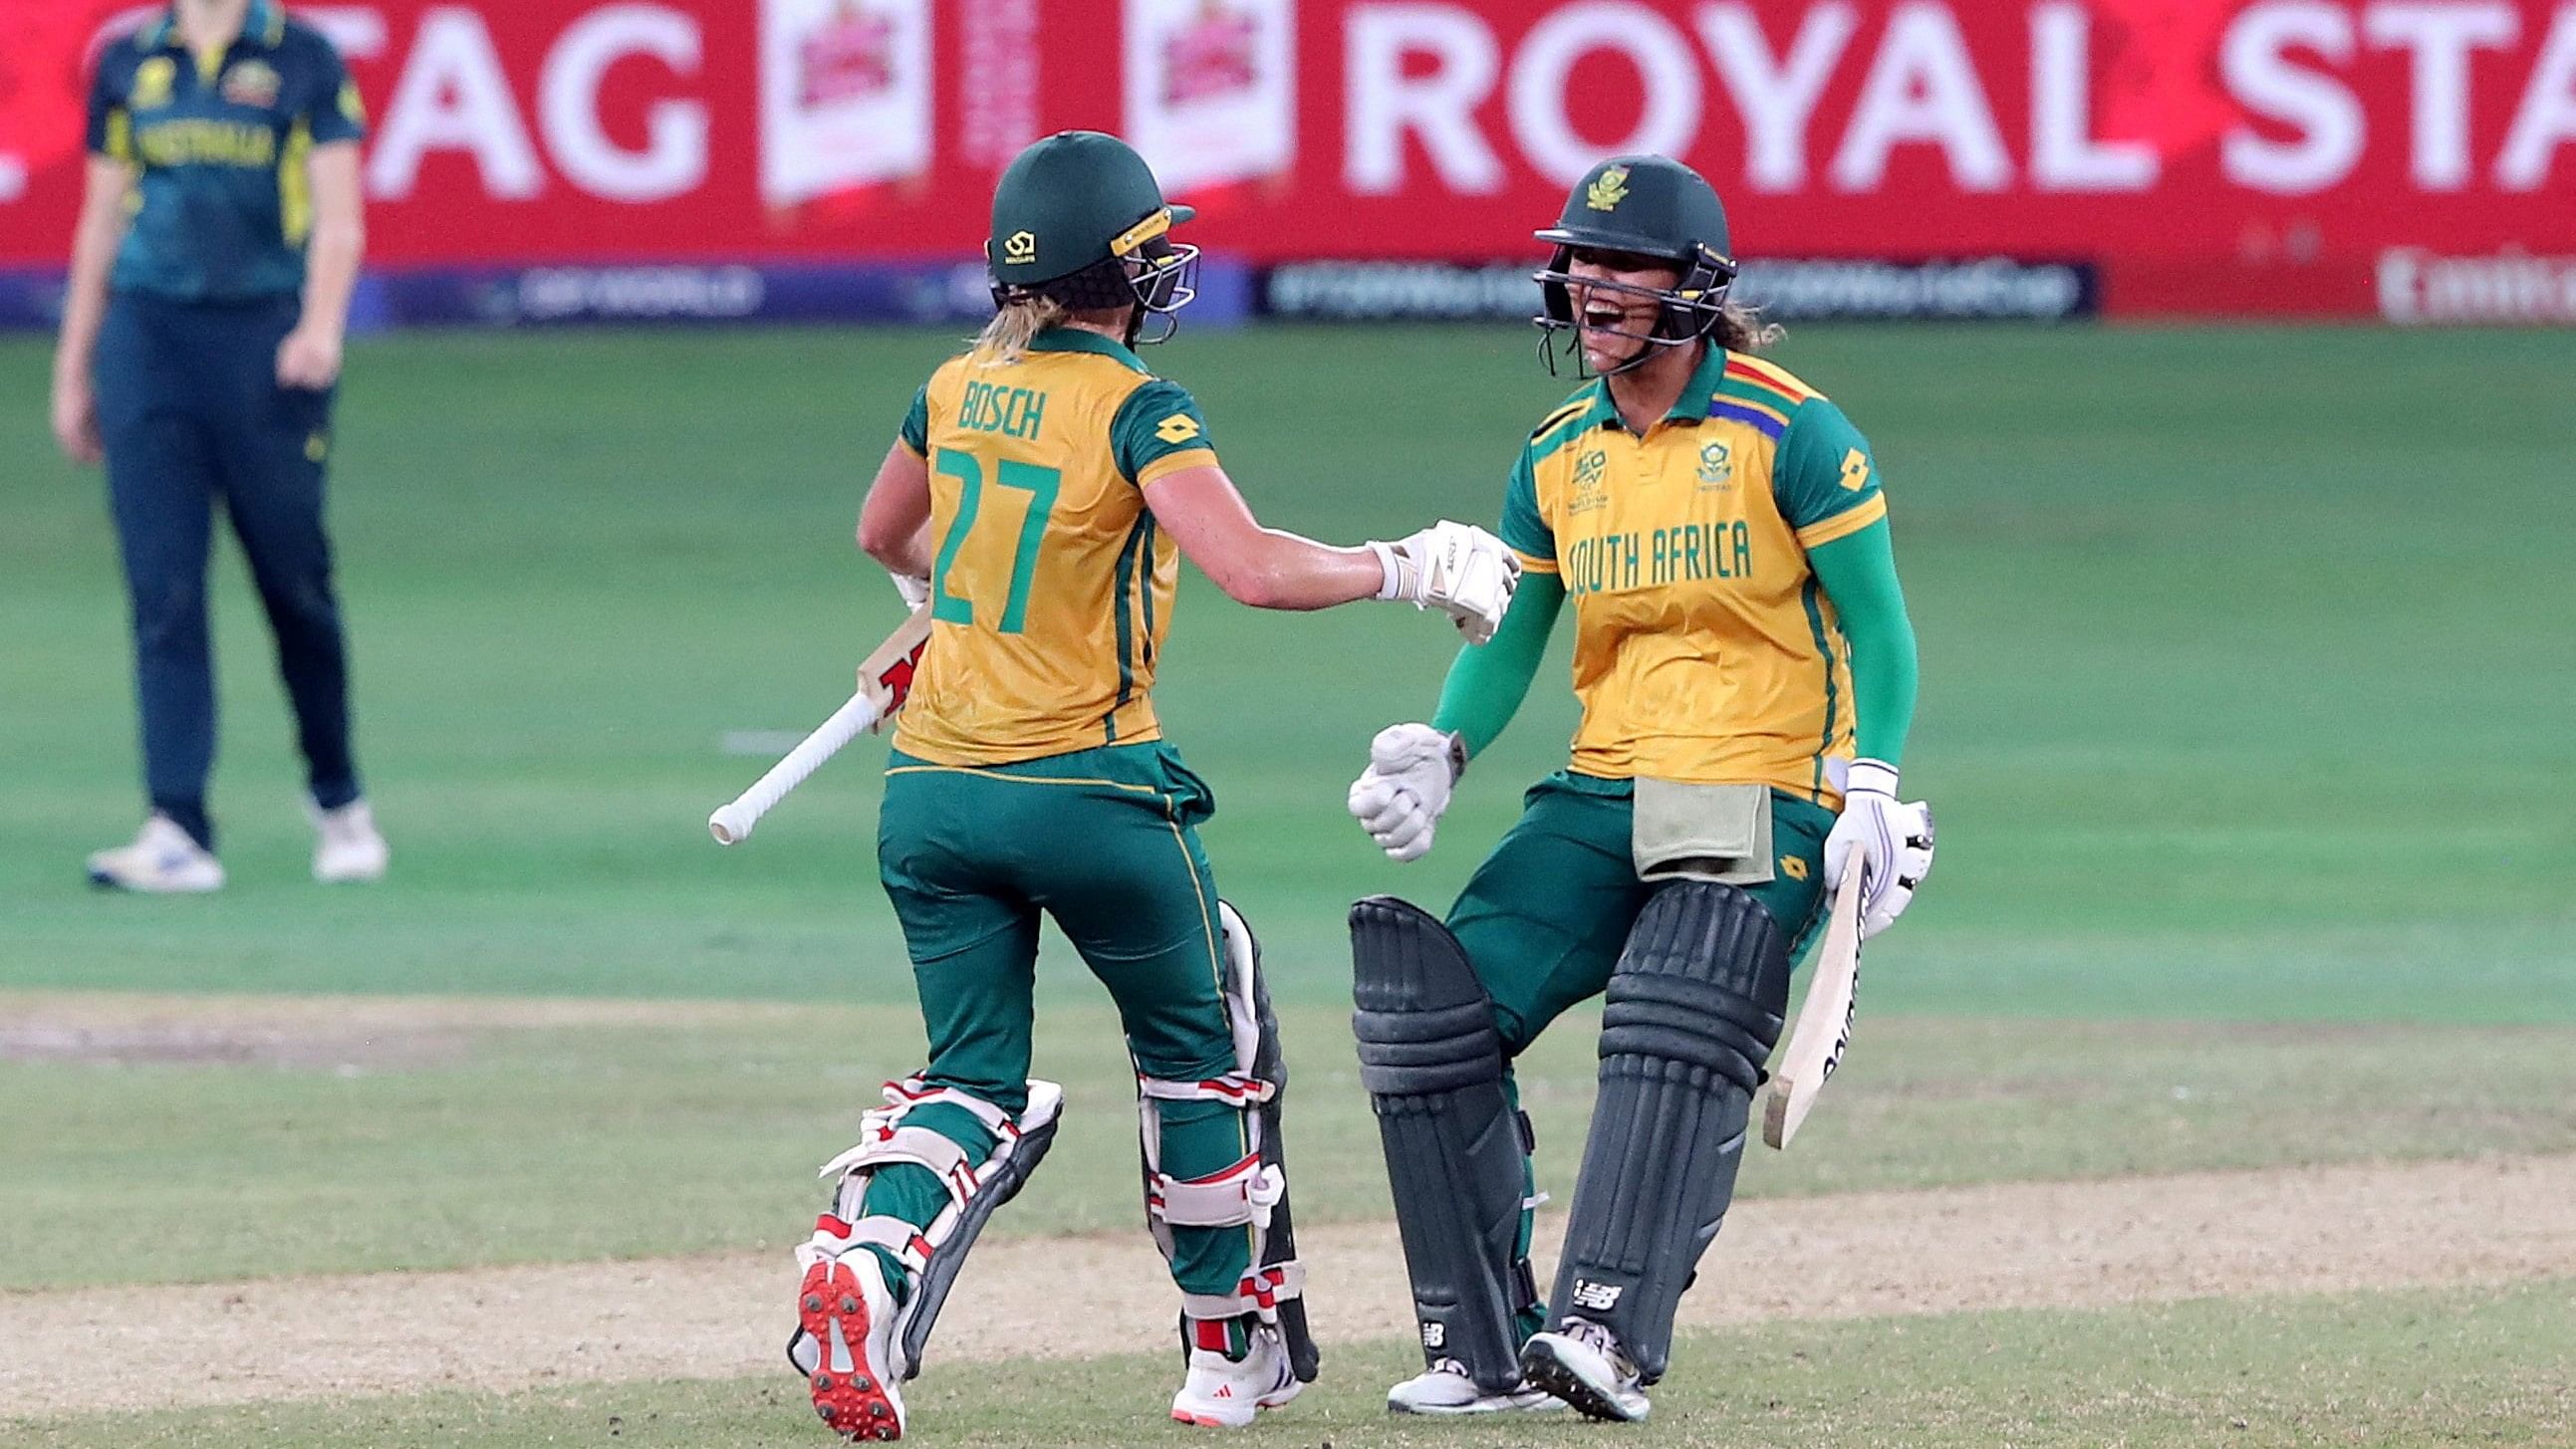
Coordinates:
<point>1488,682</point>
<point>1859,575</point>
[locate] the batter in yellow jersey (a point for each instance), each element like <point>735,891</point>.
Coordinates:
<point>1051,584</point>
<point>1037,504</point>
<point>1704,648</point>
<point>1746,669</point>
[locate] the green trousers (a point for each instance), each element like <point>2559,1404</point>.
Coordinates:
<point>1105,843</point>
<point>1544,918</point>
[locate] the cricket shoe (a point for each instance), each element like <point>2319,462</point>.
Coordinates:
<point>346,846</point>
<point>1222,1393</point>
<point>163,860</point>
<point>844,1345</point>
<point>1583,1365</point>
<point>1445,1388</point>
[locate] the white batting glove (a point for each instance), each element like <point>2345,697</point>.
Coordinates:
<point>1891,841</point>
<point>915,591</point>
<point>1457,568</point>
<point>1399,797</point>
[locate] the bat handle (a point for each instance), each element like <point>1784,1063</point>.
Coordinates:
<point>732,824</point>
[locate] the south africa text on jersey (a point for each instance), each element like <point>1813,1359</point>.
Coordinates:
<point>1686,553</point>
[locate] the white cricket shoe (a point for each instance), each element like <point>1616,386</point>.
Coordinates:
<point>163,860</point>
<point>1583,1365</point>
<point>1445,1388</point>
<point>346,845</point>
<point>845,1347</point>
<point>1223,1394</point>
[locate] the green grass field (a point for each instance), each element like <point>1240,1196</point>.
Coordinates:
<point>2246,678</point>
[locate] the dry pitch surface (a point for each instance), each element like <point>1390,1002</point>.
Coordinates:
<point>2018,1245</point>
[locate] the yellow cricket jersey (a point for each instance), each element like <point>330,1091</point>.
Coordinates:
<point>1050,586</point>
<point>1705,650</point>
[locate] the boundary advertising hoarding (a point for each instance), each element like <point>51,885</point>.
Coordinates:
<point>2413,159</point>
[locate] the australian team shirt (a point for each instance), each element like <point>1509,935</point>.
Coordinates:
<point>219,144</point>
<point>1051,588</point>
<point>1705,651</point>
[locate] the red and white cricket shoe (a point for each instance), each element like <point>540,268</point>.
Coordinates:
<point>1221,1393</point>
<point>845,1346</point>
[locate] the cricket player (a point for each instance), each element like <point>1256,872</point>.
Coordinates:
<point>1042,492</point>
<point>218,243</point>
<point>1747,675</point>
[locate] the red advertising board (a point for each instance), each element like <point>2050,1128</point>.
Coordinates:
<point>2414,158</point>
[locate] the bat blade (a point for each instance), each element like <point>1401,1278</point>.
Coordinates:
<point>1824,1026</point>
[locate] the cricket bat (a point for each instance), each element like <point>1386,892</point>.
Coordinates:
<point>1824,1024</point>
<point>885,681</point>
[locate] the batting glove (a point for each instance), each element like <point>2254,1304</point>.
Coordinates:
<point>1399,797</point>
<point>1890,842</point>
<point>1457,568</point>
<point>915,591</point>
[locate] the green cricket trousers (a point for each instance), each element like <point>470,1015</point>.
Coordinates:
<point>1104,842</point>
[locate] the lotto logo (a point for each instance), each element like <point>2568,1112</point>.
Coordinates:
<point>1598,1297</point>
<point>1178,428</point>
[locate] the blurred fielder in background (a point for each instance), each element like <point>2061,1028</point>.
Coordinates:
<point>1033,504</point>
<point>218,244</point>
<point>1738,629</point>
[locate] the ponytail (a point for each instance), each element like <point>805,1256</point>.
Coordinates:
<point>1022,318</point>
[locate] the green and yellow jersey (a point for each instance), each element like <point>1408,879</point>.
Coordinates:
<point>1705,649</point>
<point>1051,588</point>
<point>218,141</point>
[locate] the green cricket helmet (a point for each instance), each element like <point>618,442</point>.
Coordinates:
<point>1639,206</point>
<point>1079,217</point>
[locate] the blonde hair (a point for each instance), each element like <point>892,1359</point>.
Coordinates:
<point>1741,329</point>
<point>1007,336</point>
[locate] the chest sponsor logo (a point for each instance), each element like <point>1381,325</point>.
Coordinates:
<point>1716,467</point>
<point>1591,487</point>
<point>252,83</point>
<point>153,81</point>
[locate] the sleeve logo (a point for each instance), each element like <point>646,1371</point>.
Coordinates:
<point>1855,470</point>
<point>1178,428</point>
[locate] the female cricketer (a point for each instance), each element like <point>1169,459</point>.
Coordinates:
<point>1739,636</point>
<point>1037,502</point>
<point>218,244</point>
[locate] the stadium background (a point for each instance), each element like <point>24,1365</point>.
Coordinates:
<point>2219,1087</point>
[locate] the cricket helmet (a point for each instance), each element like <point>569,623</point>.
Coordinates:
<point>1643,206</point>
<point>1079,217</point>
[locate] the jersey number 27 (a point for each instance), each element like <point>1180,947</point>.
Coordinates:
<point>1040,484</point>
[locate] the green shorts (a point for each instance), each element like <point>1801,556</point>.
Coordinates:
<point>1544,918</point>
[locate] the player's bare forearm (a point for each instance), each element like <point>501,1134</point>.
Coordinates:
<point>338,242</point>
<point>94,242</point>
<point>1266,568</point>
<point>894,522</point>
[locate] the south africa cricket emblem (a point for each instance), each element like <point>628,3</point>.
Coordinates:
<point>1716,467</point>
<point>1607,190</point>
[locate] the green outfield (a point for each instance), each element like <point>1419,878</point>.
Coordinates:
<point>2247,670</point>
